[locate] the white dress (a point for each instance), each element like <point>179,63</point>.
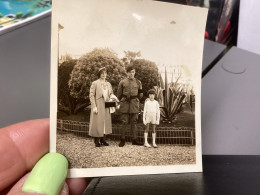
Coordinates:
<point>151,112</point>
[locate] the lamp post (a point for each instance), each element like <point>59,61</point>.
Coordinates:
<point>60,27</point>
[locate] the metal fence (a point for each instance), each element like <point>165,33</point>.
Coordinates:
<point>164,135</point>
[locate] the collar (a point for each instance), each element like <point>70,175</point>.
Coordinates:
<point>131,79</point>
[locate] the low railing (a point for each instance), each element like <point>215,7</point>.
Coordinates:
<point>164,135</point>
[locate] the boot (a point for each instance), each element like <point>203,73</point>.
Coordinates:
<point>146,144</point>
<point>103,141</point>
<point>96,141</point>
<point>134,132</point>
<point>122,143</point>
<point>154,136</point>
<point>135,142</point>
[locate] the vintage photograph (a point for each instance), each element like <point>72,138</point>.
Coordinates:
<point>125,86</point>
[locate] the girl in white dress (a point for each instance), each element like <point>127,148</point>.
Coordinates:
<point>151,116</point>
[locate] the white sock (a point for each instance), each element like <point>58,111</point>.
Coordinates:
<point>154,136</point>
<point>145,140</point>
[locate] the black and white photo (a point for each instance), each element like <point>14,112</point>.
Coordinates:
<point>126,85</point>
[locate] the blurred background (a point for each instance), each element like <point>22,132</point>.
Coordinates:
<point>222,21</point>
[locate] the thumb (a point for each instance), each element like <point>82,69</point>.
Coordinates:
<point>17,188</point>
<point>47,177</point>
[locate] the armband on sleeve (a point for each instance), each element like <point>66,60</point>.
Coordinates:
<point>140,90</point>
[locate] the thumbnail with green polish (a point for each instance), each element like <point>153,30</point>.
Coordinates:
<point>48,175</point>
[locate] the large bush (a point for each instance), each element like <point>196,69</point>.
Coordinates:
<point>85,72</point>
<point>67,103</point>
<point>147,73</point>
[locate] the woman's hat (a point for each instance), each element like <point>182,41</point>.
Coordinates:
<point>100,70</point>
<point>151,91</point>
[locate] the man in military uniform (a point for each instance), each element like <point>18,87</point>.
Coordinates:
<point>129,94</point>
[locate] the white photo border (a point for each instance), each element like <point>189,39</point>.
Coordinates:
<point>133,170</point>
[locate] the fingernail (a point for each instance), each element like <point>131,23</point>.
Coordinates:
<point>48,175</point>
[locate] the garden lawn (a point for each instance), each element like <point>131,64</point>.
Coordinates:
<point>82,153</point>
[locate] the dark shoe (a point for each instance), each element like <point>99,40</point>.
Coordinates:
<point>103,141</point>
<point>122,143</point>
<point>135,142</point>
<point>96,141</point>
<point>98,145</point>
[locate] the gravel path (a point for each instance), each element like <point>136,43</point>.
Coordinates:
<point>82,153</point>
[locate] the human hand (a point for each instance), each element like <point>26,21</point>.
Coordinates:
<point>117,106</point>
<point>123,99</point>
<point>95,110</point>
<point>157,123</point>
<point>145,123</point>
<point>114,98</point>
<point>21,146</point>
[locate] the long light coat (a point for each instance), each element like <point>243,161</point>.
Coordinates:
<point>100,123</point>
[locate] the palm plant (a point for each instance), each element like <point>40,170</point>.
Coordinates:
<point>170,97</point>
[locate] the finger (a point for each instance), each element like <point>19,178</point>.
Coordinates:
<point>47,177</point>
<point>76,185</point>
<point>17,188</point>
<point>21,146</point>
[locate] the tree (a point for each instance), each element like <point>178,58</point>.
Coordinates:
<point>43,4</point>
<point>66,103</point>
<point>19,15</point>
<point>27,15</point>
<point>131,56</point>
<point>147,73</point>
<point>85,72</point>
<point>68,57</point>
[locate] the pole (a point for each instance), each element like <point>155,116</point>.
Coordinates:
<point>59,28</point>
<point>58,46</point>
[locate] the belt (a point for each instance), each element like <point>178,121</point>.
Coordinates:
<point>131,97</point>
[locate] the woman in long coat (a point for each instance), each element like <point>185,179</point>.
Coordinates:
<point>100,117</point>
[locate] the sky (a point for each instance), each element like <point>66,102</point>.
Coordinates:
<point>165,33</point>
